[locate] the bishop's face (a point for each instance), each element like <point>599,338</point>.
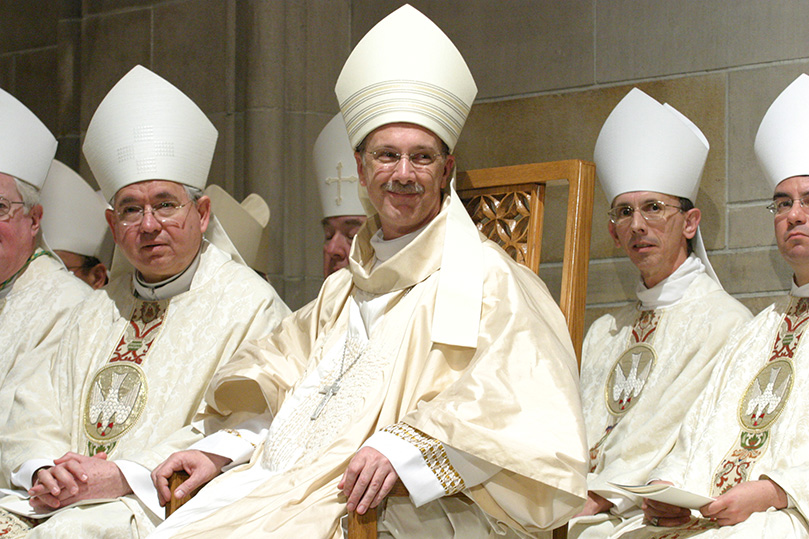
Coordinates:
<point>339,232</point>
<point>18,230</point>
<point>158,248</point>
<point>792,227</point>
<point>655,247</point>
<point>407,196</point>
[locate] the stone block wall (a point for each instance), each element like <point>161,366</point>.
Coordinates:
<point>548,73</point>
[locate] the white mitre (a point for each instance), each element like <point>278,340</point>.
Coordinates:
<point>27,147</point>
<point>782,141</point>
<point>73,214</point>
<point>646,146</point>
<point>336,171</point>
<point>405,70</point>
<point>246,224</point>
<point>146,129</point>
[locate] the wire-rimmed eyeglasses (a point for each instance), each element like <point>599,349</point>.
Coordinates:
<point>166,213</point>
<point>6,206</point>
<point>654,211</point>
<point>387,159</point>
<point>782,205</point>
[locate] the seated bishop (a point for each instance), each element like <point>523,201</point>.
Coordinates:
<point>37,293</point>
<point>644,364</point>
<point>74,226</point>
<point>434,358</point>
<point>132,371</point>
<point>745,441</point>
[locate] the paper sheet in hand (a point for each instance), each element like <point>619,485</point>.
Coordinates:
<point>667,494</point>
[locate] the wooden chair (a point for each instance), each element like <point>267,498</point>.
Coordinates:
<point>508,206</point>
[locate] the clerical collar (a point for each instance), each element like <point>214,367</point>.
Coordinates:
<point>799,291</point>
<point>385,249</point>
<point>169,288</point>
<point>671,289</point>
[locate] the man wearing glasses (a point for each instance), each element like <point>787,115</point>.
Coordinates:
<point>744,442</point>
<point>645,364</point>
<point>132,371</point>
<point>36,293</point>
<point>435,358</point>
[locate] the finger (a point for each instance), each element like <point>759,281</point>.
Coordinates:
<point>387,486</point>
<point>358,490</point>
<point>47,482</point>
<point>76,469</point>
<point>45,501</point>
<point>350,477</point>
<point>65,478</point>
<point>70,455</point>
<point>196,478</point>
<point>371,490</point>
<point>161,483</point>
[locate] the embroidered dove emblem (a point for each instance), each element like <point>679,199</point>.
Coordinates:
<point>765,402</point>
<point>627,387</point>
<point>106,410</point>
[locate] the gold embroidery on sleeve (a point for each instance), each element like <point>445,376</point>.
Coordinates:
<point>434,456</point>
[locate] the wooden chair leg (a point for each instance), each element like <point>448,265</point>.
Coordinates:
<point>362,526</point>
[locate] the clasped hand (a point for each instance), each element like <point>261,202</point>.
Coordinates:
<point>75,477</point>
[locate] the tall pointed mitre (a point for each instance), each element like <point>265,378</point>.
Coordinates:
<point>146,129</point>
<point>246,224</point>
<point>27,147</point>
<point>646,146</point>
<point>782,141</point>
<point>73,214</point>
<point>405,70</point>
<point>336,171</point>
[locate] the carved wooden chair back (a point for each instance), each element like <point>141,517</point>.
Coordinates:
<point>508,206</point>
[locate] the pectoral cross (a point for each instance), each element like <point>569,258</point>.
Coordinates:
<point>328,392</point>
<point>339,181</point>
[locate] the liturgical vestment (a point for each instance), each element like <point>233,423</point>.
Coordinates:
<point>510,400</point>
<point>128,378</point>
<point>634,402</point>
<point>749,423</point>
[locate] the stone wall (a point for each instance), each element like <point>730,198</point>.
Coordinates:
<point>548,71</point>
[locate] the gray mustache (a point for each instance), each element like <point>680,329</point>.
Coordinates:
<point>395,187</point>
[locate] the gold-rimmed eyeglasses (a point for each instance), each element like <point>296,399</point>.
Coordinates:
<point>167,213</point>
<point>388,159</point>
<point>782,205</point>
<point>6,206</point>
<point>654,211</point>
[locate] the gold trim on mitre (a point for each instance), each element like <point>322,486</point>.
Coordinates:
<point>147,129</point>
<point>783,135</point>
<point>407,70</point>
<point>27,147</point>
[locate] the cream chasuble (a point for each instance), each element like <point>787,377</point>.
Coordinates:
<point>749,423</point>
<point>641,371</point>
<point>128,379</point>
<point>511,401</point>
<point>34,310</point>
